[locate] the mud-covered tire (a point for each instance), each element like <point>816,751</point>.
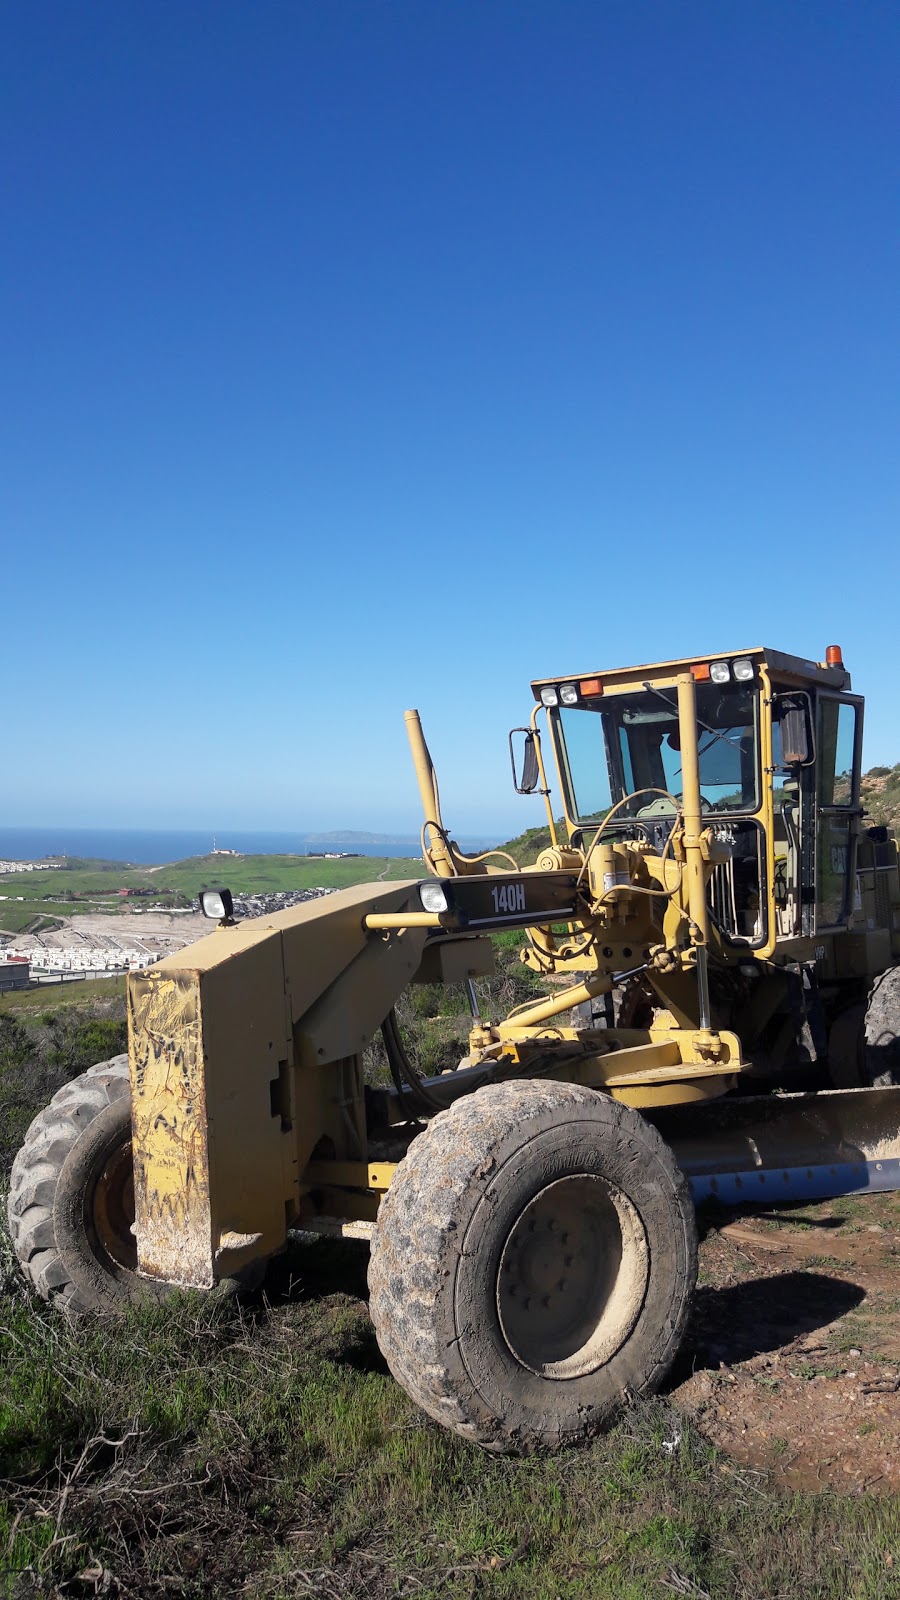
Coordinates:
<point>471,1202</point>
<point>847,1048</point>
<point>73,1170</point>
<point>882,1031</point>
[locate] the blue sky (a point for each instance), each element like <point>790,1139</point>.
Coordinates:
<point>357,355</point>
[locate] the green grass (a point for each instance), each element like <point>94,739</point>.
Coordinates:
<point>54,996</point>
<point>205,1448</point>
<point>257,874</point>
<point>42,1047</point>
<point>79,888</point>
<point>15,918</point>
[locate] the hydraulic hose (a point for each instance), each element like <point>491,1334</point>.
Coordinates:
<point>406,1080</point>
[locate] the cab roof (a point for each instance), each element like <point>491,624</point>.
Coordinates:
<point>783,666</point>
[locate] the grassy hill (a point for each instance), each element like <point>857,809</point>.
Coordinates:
<point>77,886</point>
<point>90,886</point>
<point>881,795</point>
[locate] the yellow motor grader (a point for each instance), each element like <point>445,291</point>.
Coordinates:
<point>719,935</point>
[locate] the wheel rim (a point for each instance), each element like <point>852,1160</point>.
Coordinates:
<point>111,1208</point>
<point>572,1277</point>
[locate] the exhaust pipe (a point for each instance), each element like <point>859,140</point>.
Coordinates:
<point>441,858</point>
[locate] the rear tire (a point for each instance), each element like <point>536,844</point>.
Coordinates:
<point>71,1198</point>
<point>847,1048</point>
<point>533,1264</point>
<point>882,1031</point>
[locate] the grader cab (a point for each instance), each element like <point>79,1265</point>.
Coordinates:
<point>719,935</point>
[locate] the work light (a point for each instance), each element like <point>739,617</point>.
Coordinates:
<point>217,904</point>
<point>432,897</point>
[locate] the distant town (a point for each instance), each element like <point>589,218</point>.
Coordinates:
<point>29,866</point>
<point>91,946</point>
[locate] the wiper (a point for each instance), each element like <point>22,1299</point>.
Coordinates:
<point>673,706</point>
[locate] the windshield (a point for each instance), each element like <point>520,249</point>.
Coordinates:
<point>631,741</point>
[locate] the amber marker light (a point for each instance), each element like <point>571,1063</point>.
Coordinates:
<point>700,671</point>
<point>591,686</point>
<point>833,656</point>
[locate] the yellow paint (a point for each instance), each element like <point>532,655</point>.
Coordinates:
<point>168,1110</point>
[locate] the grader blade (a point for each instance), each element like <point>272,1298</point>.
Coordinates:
<point>774,1149</point>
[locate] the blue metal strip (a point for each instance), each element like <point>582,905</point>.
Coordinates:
<point>796,1183</point>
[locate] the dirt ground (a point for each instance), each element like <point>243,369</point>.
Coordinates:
<point>161,931</point>
<point>793,1362</point>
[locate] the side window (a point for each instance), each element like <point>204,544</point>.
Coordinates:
<point>836,795</point>
<point>836,745</point>
<point>627,768</point>
<point>586,760</point>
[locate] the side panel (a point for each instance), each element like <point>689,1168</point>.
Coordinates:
<point>247,1054</point>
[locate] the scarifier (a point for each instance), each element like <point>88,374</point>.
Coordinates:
<point>720,937</point>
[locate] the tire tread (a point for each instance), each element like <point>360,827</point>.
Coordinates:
<point>413,1246</point>
<point>36,1169</point>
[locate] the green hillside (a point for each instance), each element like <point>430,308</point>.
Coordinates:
<point>76,886</point>
<point>90,886</point>
<point>881,795</point>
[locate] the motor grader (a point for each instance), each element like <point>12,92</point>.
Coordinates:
<point>718,935</point>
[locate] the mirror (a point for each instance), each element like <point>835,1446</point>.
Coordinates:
<point>523,757</point>
<point>794,721</point>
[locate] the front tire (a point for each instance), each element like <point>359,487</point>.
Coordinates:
<point>533,1264</point>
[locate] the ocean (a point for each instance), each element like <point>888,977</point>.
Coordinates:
<point>152,846</point>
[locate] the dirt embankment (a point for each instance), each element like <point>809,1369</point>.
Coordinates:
<point>793,1364</point>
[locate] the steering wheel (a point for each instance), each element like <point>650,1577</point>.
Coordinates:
<point>662,807</point>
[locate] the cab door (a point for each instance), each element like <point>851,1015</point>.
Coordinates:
<point>838,758</point>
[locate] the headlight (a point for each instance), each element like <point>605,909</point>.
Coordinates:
<point>549,696</point>
<point>568,694</point>
<point>432,897</point>
<point>217,904</point>
<point>742,669</point>
<point>719,672</point>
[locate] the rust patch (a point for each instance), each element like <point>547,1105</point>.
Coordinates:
<point>168,1109</point>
